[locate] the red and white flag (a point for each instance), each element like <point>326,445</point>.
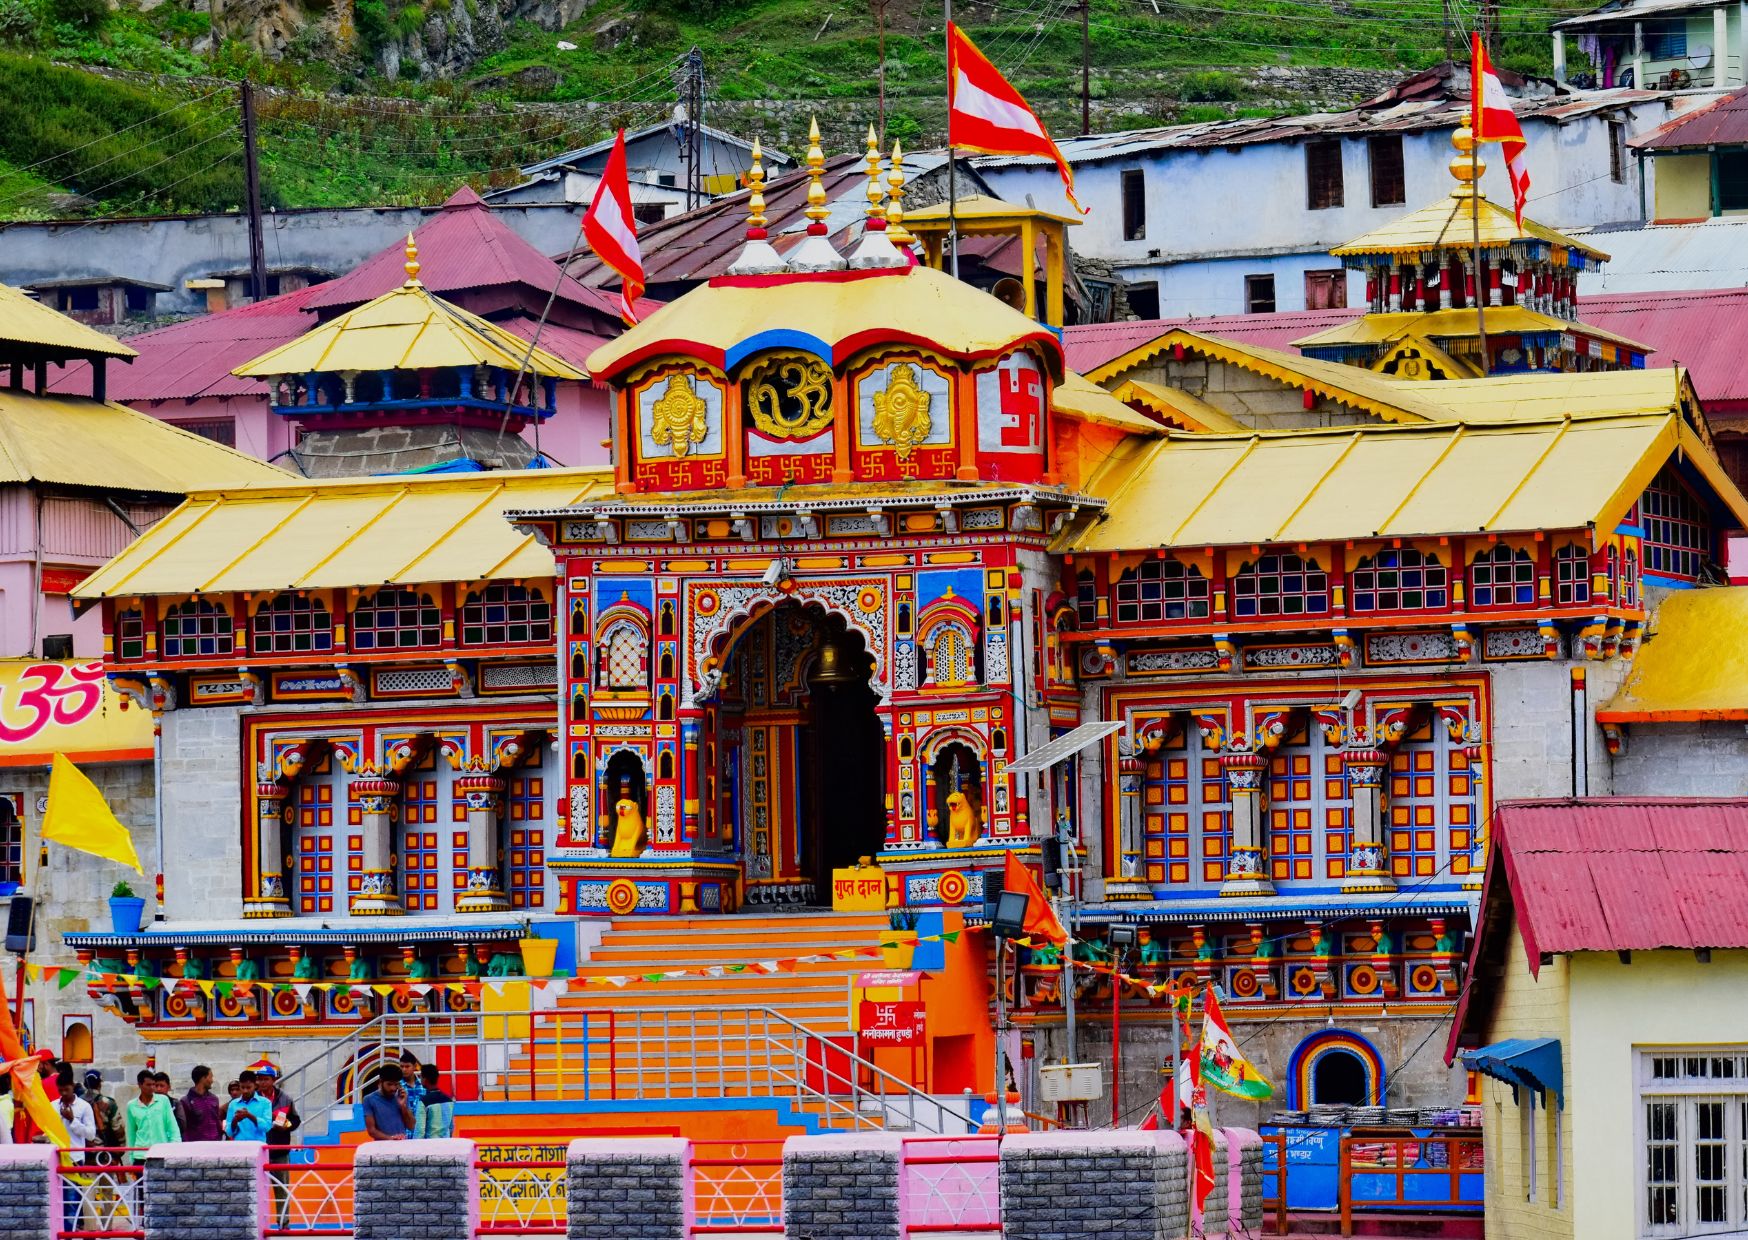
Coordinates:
<point>1494,121</point>
<point>985,113</point>
<point>611,230</point>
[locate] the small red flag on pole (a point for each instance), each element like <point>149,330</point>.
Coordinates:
<point>611,230</point>
<point>1494,121</point>
<point>985,113</point>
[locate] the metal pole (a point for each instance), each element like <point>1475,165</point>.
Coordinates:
<point>1177,1059</point>
<point>1068,1055</point>
<point>252,189</point>
<point>1116,1036</point>
<point>1001,1021</point>
<point>1085,66</point>
<point>1475,219</point>
<point>952,168</point>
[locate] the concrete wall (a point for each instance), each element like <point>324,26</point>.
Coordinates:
<point>175,250</point>
<point>204,776</point>
<point>1687,759</point>
<point>1684,187</point>
<point>416,1190</point>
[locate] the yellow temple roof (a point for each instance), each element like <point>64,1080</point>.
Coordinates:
<point>1176,406</point>
<point>1450,222</point>
<point>982,209</point>
<point>75,441</point>
<point>1444,324</point>
<point>27,322</point>
<point>832,315</point>
<point>1079,397</point>
<point>407,328</point>
<point>1693,666</point>
<point>351,532</point>
<point>1578,394</point>
<point>1374,481</point>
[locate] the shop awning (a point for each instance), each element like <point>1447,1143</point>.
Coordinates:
<point>1533,1063</point>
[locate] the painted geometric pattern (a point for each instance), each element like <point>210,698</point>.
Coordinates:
<point>526,804</point>
<point>1188,816</point>
<point>1309,811</point>
<point>315,847</point>
<point>421,848</point>
<point>1432,807</point>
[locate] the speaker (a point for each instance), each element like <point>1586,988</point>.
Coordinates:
<point>1051,850</point>
<point>20,936</point>
<point>992,886</point>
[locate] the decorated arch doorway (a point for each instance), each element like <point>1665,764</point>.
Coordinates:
<point>800,752</point>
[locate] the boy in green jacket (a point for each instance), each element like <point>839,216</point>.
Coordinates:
<point>151,1120</point>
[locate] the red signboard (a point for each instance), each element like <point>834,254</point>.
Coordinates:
<point>890,1022</point>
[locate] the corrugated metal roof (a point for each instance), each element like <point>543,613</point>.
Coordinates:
<point>1693,664</point>
<point>1686,259</point>
<point>75,441</point>
<point>29,329</point>
<point>1721,123</point>
<point>463,246</point>
<point>354,532</point>
<point>1635,10</point>
<point>1625,874</point>
<point>771,155</point>
<point>1091,345</point>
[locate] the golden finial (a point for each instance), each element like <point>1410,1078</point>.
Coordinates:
<point>876,191</point>
<point>1465,167</point>
<point>816,212</point>
<point>412,263</point>
<point>895,199</point>
<point>756,200</point>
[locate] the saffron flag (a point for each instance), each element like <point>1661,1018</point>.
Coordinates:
<point>80,818</point>
<point>1041,919</point>
<point>985,113</point>
<point>1494,121</point>
<point>1222,1066</point>
<point>23,1067</point>
<point>1193,1093</point>
<point>611,230</point>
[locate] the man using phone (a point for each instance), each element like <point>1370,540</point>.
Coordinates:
<point>249,1116</point>
<point>387,1117</point>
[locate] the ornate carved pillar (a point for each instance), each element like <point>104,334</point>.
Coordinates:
<point>485,883</point>
<point>1247,866</point>
<point>378,804</point>
<point>1126,880</point>
<point>1368,858</point>
<point>270,898</point>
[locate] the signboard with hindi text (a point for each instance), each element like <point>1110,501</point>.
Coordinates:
<point>897,1022</point>
<point>859,889</point>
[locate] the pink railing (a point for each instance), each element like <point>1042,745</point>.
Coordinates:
<point>737,1187</point>
<point>951,1184</point>
<point>522,1197</point>
<point>312,1197</point>
<point>99,1193</point>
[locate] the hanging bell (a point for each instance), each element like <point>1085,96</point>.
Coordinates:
<point>837,663</point>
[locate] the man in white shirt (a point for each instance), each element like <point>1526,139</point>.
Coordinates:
<point>81,1125</point>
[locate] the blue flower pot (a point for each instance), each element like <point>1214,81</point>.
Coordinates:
<point>126,913</point>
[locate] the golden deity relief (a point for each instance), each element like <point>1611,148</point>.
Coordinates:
<point>790,397</point>
<point>678,420</point>
<point>901,412</point>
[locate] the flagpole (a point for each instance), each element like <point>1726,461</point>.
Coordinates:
<point>952,161</point>
<point>1475,108</point>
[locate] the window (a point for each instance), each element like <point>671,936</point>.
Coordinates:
<point>196,629</point>
<point>527,827</point>
<point>1733,180</point>
<point>1259,294</point>
<point>1617,152</point>
<point>1404,580</point>
<point>1280,585</point>
<point>952,657</point>
<point>1323,174</point>
<point>668,180</point>
<point>623,656</point>
<point>219,430</point>
<point>649,212</point>
<point>1162,590</point>
<point>1502,577</point>
<point>139,300</point>
<point>1526,1115</point>
<point>1677,534</point>
<point>292,624</point>
<point>1143,299</point>
<point>1665,40</point>
<point>1388,185</point>
<point>1693,1121</point>
<point>1134,204</point>
<point>395,619</point>
<point>130,635</point>
<point>1629,595</point>
<point>1571,576</point>
<point>505,613</point>
<point>1326,290</point>
<point>11,841</point>
<point>81,299</point>
<point>1086,598</point>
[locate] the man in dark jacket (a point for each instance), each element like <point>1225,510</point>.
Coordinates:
<point>286,1121</point>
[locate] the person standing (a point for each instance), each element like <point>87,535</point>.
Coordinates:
<point>81,1128</point>
<point>202,1112</point>
<point>151,1120</point>
<point>111,1125</point>
<point>387,1117</point>
<point>286,1121</point>
<point>250,1116</point>
<point>436,1111</point>
<point>411,1078</point>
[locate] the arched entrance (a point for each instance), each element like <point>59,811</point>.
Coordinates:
<point>799,753</point>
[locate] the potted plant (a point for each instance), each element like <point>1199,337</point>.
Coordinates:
<point>899,948</point>
<point>539,955</point>
<point>126,910</point>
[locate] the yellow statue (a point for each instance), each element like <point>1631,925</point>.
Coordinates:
<point>678,420</point>
<point>628,832</point>
<point>901,412</point>
<point>963,827</point>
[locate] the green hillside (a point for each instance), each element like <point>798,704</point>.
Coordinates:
<point>135,112</point>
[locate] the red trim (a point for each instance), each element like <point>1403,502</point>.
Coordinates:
<point>87,755</point>
<point>804,277</point>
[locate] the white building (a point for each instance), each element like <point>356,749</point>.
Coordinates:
<point>1234,217</point>
<point>1660,44</point>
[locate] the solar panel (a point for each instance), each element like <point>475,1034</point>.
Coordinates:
<point>1063,747</point>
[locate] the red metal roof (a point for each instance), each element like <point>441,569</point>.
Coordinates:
<point>1091,345</point>
<point>463,246</point>
<point>1720,123</point>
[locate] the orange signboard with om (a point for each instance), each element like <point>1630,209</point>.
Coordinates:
<point>48,708</point>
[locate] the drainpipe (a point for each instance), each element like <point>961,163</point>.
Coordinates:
<point>1640,157</point>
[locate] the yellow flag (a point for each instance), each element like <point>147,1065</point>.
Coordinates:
<point>80,818</point>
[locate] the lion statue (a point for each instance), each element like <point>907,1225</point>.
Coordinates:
<point>627,829</point>
<point>963,826</point>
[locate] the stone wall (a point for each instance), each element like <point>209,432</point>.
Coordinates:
<point>216,1190</point>
<point>30,1207</point>
<point>842,1186</point>
<point>415,1190</point>
<point>629,1188</point>
<point>204,778</point>
<point>1122,1185</point>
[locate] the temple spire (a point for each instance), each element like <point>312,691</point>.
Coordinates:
<point>895,230</point>
<point>412,263</point>
<point>876,248</point>
<point>815,253</point>
<point>759,257</point>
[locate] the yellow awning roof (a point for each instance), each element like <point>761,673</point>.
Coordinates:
<point>1455,324</point>
<point>354,532</point>
<point>1389,482</point>
<point>1693,665</point>
<point>1450,222</point>
<point>1079,397</point>
<point>405,329</point>
<point>1393,400</point>
<point>1178,407</point>
<point>75,441</point>
<point>982,209</point>
<point>832,315</point>
<point>1587,394</point>
<point>28,323</point>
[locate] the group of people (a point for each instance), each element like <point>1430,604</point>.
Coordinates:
<point>408,1103</point>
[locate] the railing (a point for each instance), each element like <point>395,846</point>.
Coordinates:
<point>1274,1151</point>
<point>100,1194</point>
<point>312,1192</point>
<point>737,1188</point>
<point>1433,1174</point>
<point>951,1185</point>
<point>627,1053</point>
<point>522,1196</point>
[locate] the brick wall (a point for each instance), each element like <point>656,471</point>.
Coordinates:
<point>1085,1186</point>
<point>30,1205</point>
<point>629,1188</point>
<point>416,1190</point>
<point>216,1190</point>
<point>841,1186</point>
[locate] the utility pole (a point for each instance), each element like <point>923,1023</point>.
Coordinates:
<point>1489,24</point>
<point>1085,67</point>
<point>880,69</point>
<point>252,190</point>
<point>1450,19</point>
